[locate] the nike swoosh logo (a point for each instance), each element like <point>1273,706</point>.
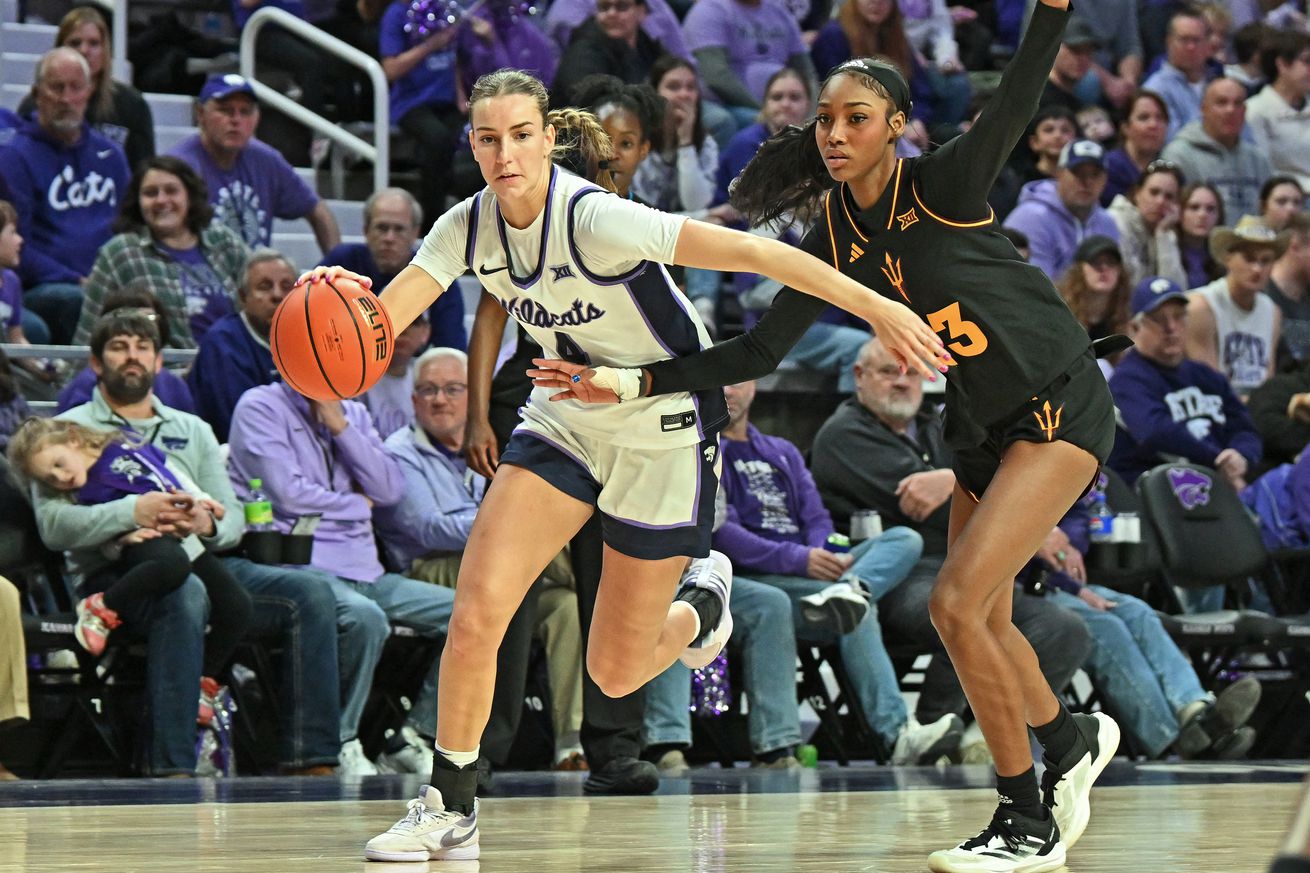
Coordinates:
<point>104,154</point>
<point>454,838</point>
<point>484,271</point>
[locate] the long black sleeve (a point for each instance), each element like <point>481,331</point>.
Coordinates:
<point>956,179</point>
<point>1283,437</point>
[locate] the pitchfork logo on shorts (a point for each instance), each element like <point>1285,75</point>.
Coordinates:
<point>1191,487</point>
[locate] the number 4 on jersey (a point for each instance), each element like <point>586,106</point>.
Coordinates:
<point>570,351</point>
<point>948,319</point>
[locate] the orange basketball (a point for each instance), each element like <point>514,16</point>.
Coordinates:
<point>331,339</point>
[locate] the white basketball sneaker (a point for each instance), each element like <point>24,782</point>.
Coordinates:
<point>1068,792</point>
<point>714,574</point>
<point>1012,843</point>
<point>428,832</point>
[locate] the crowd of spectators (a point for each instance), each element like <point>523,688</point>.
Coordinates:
<point>1161,187</point>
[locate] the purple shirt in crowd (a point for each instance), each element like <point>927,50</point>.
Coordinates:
<point>11,302</point>
<point>661,24</point>
<point>758,39</point>
<point>518,44</point>
<point>274,437</point>
<point>431,83</point>
<point>775,514</point>
<point>122,470</point>
<point>260,186</point>
<point>206,295</point>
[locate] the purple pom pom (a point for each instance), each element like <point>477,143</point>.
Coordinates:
<point>711,695</point>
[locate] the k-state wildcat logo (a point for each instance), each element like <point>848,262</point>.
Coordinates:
<point>1190,487</point>
<point>530,312</point>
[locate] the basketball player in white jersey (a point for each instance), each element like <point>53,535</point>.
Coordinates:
<point>582,271</point>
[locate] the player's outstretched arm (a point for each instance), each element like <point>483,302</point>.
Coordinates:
<point>409,294</point>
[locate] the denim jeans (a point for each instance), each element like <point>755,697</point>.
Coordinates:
<point>364,611</point>
<point>300,608</point>
<point>950,94</point>
<point>830,348</point>
<point>1136,666</point>
<point>59,304</point>
<point>884,561</point>
<point>174,628</point>
<point>34,328</point>
<point>762,624</point>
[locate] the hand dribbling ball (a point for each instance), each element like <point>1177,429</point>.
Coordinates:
<point>331,339</point>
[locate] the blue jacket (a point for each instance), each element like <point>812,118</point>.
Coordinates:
<point>775,514</point>
<point>441,498</point>
<point>1053,231</point>
<point>446,315</point>
<point>1186,411</point>
<point>1280,499</point>
<point>231,360</point>
<point>67,198</point>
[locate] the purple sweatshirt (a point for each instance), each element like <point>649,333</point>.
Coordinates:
<point>122,470</point>
<point>305,469</point>
<point>1188,410</point>
<point>518,44</point>
<point>67,198</point>
<point>1053,231</point>
<point>775,515</point>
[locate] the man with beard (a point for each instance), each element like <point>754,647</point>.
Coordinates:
<point>295,604</point>
<point>881,450</point>
<point>234,355</point>
<point>393,220</point>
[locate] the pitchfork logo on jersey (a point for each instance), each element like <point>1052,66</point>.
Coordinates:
<point>1191,487</point>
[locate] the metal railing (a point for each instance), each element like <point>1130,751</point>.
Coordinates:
<point>378,152</point>
<point>82,353</point>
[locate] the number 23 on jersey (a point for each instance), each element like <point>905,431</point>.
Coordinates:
<point>964,338</point>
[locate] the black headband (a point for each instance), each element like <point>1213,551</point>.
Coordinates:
<point>887,76</point>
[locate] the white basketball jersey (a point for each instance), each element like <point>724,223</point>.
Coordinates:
<point>628,319</point>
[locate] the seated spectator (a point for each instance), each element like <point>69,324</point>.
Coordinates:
<point>93,467</point>
<point>234,356</point>
<point>388,401</point>
<point>777,530</point>
<point>1147,218</point>
<point>1136,666</point>
<point>500,35</point>
<point>883,450</point>
<point>1278,115</point>
<point>249,182</point>
<point>1232,326</point>
<point>1281,197</point>
<point>1172,407</point>
<point>166,243</point>
<point>1096,287</point>
<point>13,407</point>
<point>326,458</point>
<point>1073,63</point>
<point>610,43</point>
<point>1201,209</point>
<point>1117,63</point>
<point>739,44</point>
<point>1053,127</point>
<point>1289,281</point>
<point>13,665</point>
<point>116,109</point>
<point>1057,215</point>
<point>931,31</point>
<point>679,172</point>
<point>168,386</point>
<point>1280,410</point>
<point>1178,81</point>
<point>297,605</point>
<point>1142,134</point>
<point>1278,500</point>
<point>1247,64</point>
<point>425,533</point>
<point>1211,149</point>
<point>15,321</point>
<point>1095,123</point>
<point>393,221</point>
<point>660,24</point>
<point>64,179</point>
<point>420,68</point>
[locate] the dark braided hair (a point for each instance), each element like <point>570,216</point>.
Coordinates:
<point>787,174</point>
<point>602,89</point>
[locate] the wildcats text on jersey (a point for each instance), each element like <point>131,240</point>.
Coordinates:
<point>530,312</point>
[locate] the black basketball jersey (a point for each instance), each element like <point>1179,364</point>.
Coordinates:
<point>1006,326</point>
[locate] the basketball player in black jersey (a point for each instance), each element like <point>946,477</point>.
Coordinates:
<point>1029,414</point>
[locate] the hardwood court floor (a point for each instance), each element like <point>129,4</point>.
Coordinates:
<point>1209,825</point>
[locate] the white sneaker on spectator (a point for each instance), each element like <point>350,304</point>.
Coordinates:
<point>353,762</point>
<point>414,757</point>
<point>837,609</point>
<point>925,743</point>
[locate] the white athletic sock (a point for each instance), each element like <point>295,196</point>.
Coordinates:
<point>695,616</point>
<point>459,759</point>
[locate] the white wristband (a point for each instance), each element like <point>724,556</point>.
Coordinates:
<point>625,382</point>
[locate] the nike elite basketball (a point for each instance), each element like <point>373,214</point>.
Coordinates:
<point>331,339</point>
